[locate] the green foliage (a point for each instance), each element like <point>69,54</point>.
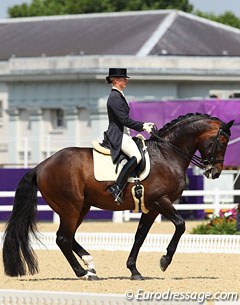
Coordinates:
<point>65,7</point>
<point>60,7</point>
<point>201,229</point>
<point>222,228</point>
<point>224,223</point>
<point>228,18</point>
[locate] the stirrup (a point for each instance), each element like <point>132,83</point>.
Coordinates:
<point>116,192</point>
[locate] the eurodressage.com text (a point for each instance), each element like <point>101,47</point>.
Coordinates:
<point>200,297</point>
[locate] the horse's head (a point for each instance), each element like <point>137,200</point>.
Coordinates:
<point>212,147</point>
<point>196,131</point>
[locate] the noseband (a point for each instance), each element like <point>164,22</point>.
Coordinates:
<point>206,163</point>
<point>212,160</point>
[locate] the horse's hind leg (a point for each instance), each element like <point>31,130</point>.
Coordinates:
<point>86,258</point>
<point>80,251</point>
<point>67,243</point>
<point>166,208</point>
<point>65,235</point>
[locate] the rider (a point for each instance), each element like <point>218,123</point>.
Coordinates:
<point>117,133</point>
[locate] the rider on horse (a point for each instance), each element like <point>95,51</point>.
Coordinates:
<point>117,134</point>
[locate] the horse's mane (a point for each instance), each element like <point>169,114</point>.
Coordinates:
<point>190,117</point>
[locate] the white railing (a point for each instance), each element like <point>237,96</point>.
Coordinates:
<point>219,200</point>
<point>28,297</point>
<point>101,241</point>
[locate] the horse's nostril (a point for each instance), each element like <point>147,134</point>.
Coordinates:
<point>216,175</point>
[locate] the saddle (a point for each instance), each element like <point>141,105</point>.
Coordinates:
<point>105,170</point>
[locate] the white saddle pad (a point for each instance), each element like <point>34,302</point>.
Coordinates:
<point>104,169</point>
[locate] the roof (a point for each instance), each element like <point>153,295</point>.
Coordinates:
<point>159,32</point>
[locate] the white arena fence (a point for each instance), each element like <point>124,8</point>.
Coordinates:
<point>217,200</point>
<point>29,297</point>
<point>98,241</point>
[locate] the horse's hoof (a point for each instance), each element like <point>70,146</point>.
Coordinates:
<point>93,278</point>
<point>92,271</point>
<point>137,277</point>
<point>89,276</point>
<point>164,262</point>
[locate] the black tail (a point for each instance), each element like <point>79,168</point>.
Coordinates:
<point>17,252</point>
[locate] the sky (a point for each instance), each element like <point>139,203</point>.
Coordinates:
<point>214,6</point>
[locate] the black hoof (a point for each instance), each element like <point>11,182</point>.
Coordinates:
<point>137,277</point>
<point>93,278</point>
<point>89,276</point>
<point>164,263</point>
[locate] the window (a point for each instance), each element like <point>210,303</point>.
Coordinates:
<point>59,118</point>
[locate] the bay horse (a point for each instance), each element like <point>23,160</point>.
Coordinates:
<point>66,182</point>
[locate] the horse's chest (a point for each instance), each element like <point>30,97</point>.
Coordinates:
<point>174,180</point>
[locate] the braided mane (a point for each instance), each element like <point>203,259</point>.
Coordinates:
<point>189,117</point>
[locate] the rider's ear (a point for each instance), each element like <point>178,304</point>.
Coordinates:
<point>229,124</point>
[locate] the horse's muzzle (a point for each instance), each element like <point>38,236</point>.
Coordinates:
<point>212,172</point>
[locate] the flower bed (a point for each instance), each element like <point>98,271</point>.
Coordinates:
<point>223,223</point>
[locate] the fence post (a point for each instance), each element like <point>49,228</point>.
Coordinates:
<point>117,216</point>
<point>56,218</point>
<point>238,218</point>
<point>126,215</point>
<point>216,202</point>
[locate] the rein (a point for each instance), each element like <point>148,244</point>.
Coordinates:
<point>196,160</point>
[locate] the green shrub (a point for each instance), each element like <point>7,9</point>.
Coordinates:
<point>201,229</point>
<point>223,223</point>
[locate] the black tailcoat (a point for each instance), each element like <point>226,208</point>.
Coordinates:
<point>118,115</point>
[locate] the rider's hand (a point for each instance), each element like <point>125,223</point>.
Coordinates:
<point>148,127</point>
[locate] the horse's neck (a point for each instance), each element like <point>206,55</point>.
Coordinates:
<point>186,137</point>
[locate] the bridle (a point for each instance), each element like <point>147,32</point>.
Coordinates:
<point>212,160</point>
<point>203,163</point>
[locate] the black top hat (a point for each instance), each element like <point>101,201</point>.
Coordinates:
<point>117,72</point>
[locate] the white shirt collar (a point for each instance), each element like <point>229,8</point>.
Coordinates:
<point>118,90</point>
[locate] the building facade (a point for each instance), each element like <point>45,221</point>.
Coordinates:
<point>53,100</point>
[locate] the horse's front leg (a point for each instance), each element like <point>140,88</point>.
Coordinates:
<point>144,226</point>
<point>165,207</point>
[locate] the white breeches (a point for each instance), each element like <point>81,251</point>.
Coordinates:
<point>129,147</point>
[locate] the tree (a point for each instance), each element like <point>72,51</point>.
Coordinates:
<point>227,18</point>
<point>65,7</point>
<point>62,7</point>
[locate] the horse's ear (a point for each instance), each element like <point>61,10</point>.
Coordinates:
<point>229,124</point>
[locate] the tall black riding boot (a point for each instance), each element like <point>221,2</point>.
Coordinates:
<point>117,188</point>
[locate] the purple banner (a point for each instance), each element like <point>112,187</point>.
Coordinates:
<point>162,112</point>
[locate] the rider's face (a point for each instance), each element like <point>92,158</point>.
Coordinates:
<point>120,82</point>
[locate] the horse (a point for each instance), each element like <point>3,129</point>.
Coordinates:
<point>66,182</point>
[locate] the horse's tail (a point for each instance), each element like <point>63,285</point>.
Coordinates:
<point>17,252</point>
